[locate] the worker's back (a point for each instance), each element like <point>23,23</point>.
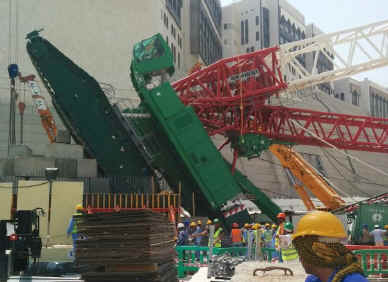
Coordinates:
<point>236,235</point>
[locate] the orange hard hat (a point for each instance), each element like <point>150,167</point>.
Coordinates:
<point>281,215</point>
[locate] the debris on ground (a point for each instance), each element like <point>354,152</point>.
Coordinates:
<point>269,272</point>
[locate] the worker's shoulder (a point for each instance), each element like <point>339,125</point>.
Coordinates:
<point>354,277</point>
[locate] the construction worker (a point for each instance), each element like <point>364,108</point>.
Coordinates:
<point>244,233</point>
<point>281,219</point>
<point>274,228</point>
<point>205,233</point>
<point>288,251</point>
<point>317,240</point>
<point>198,233</point>
<point>365,235</point>
<point>218,234</point>
<point>193,227</point>
<point>182,235</point>
<point>267,236</point>
<point>236,235</point>
<point>197,237</point>
<point>72,228</point>
<point>378,235</point>
<point>279,231</point>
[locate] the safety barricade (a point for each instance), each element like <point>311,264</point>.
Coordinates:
<point>373,261</point>
<point>191,258</point>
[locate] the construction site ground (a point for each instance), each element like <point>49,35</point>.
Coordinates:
<point>244,273</point>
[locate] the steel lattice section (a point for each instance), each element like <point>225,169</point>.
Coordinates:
<point>229,98</point>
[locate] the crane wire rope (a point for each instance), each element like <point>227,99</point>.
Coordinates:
<point>338,150</point>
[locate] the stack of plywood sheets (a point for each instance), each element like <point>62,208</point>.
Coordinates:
<point>126,246</point>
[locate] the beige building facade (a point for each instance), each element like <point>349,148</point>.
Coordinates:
<point>35,194</point>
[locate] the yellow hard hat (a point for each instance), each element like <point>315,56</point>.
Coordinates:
<point>274,226</point>
<point>386,226</point>
<point>78,207</point>
<point>246,225</point>
<point>267,225</point>
<point>193,224</point>
<point>199,222</point>
<point>320,223</point>
<point>209,221</point>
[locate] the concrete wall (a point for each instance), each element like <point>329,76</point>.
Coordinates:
<point>65,196</point>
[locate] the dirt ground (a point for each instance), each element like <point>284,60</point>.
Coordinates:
<point>60,254</point>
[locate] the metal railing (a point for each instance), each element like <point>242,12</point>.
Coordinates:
<point>131,200</point>
<point>373,261</point>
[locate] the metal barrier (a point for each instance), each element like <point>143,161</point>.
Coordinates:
<point>191,258</point>
<point>373,261</point>
<point>131,200</point>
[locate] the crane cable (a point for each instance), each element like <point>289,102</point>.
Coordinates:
<point>340,151</point>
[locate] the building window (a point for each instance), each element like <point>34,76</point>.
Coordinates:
<point>257,20</point>
<point>246,32</point>
<point>252,49</point>
<point>167,39</point>
<point>265,28</point>
<point>355,98</point>
<point>179,60</point>
<point>315,161</point>
<point>342,96</point>
<point>227,26</point>
<point>257,36</point>
<point>242,33</point>
<point>174,7</point>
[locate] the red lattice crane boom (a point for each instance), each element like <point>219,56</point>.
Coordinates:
<point>230,96</point>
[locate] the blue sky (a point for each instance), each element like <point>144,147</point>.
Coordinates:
<point>335,15</point>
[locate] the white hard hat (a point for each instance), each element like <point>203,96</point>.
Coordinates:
<point>181,225</point>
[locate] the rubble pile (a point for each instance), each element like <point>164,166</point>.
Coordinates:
<point>126,246</point>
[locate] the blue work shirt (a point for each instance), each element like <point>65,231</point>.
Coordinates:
<point>198,239</point>
<point>353,277</point>
<point>70,226</point>
<point>182,238</point>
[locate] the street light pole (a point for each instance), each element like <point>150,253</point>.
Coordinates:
<point>51,175</point>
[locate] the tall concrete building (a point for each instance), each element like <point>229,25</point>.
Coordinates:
<point>370,97</point>
<point>97,36</point>
<point>249,25</point>
<point>202,28</point>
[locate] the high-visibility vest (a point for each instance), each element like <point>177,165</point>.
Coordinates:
<point>267,235</point>
<point>289,254</point>
<point>75,230</point>
<point>217,244</point>
<point>236,235</point>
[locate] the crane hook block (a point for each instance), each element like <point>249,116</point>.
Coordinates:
<point>13,71</point>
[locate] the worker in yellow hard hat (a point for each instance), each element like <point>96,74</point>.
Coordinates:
<point>197,236</point>
<point>218,233</point>
<point>317,239</point>
<point>267,236</point>
<point>72,228</point>
<point>244,233</point>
